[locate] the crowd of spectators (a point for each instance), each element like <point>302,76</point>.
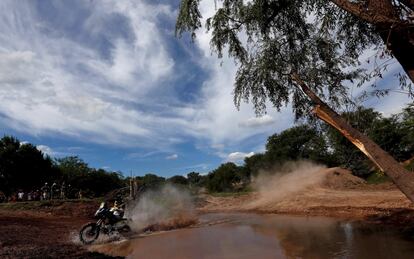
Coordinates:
<point>46,192</point>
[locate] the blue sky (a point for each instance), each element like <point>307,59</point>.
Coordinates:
<point>109,82</point>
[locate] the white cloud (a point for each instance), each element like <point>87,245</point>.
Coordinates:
<point>257,121</point>
<point>46,150</point>
<point>43,90</point>
<point>238,156</point>
<point>61,85</point>
<point>51,82</point>
<point>172,157</point>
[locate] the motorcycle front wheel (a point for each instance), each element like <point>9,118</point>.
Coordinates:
<point>89,233</point>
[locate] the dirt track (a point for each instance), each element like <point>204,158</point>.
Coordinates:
<point>42,234</point>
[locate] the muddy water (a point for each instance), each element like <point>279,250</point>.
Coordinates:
<point>267,236</point>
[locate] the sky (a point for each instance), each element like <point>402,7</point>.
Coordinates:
<point>109,82</point>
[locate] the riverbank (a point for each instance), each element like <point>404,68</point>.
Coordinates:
<point>337,193</point>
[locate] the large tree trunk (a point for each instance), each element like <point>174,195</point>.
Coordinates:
<point>397,34</point>
<point>400,41</point>
<point>398,37</point>
<point>403,178</point>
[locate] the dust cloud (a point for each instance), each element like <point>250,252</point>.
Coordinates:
<point>167,208</point>
<point>291,179</point>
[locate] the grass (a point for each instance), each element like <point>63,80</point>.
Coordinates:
<point>410,166</point>
<point>230,194</point>
<point>377,177</point>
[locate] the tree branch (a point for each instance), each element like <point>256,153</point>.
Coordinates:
<point>408,3</point>
<point>362,12</point>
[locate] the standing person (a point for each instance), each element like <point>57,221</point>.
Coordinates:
<point>53,191</point>
<point>62,191</point>
<point>20,195</point>
<point>45,192</point>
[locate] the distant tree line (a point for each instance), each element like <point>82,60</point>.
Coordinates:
<point>322,144</point>
<point>314,142</point>
<point>23,166</point>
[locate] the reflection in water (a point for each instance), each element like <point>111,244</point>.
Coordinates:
<point>268,236</point>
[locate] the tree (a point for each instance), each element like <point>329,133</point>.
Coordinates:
<point>391,20</point>
<point>195,179</point>
<point>408,127</point>
<point>152,180</point>
<point>92,182</point>
<point>388,132</point>
<point>178,179</point>
<point>99,182</point>
<point>345,153</point>
<point>300,142</point>
<point>284,55</point>
<point>256,163</point>
<point>224,178</point>
<point>23,166</point>
<point>72,167</point>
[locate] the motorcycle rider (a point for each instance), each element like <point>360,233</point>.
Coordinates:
<point>117,211</point>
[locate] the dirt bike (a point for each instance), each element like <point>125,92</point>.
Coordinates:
<point>106,224</point>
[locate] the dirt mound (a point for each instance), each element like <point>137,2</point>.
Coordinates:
<point>314,190</point>
<point>339,178</point>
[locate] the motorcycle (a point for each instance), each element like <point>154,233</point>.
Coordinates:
<point>106,224</point>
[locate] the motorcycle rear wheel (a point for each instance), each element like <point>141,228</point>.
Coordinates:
<point>89,233</point>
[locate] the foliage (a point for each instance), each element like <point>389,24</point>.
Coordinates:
<point>256,163</point>
<point>279,44</point>
<point>272,40</point>
<point>72,167</point>
<point>377,177</point>
<point>178,179</point>
<point>224,178</point>
<point>92,182</point>
<point>22,165</point>
<point>407,121</point>
<point>300,142</point>
<point>390,133</point>
<point>195,179</point>
<point>151,180</point>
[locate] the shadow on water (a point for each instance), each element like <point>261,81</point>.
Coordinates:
<point>268,236</point>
